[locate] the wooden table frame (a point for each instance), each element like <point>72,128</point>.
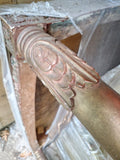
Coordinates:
<point>74,84</point>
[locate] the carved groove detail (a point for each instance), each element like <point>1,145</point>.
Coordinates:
<point>56,65</point>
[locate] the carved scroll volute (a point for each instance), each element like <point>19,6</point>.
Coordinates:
<point>57,66</point>
<point>75,85</point>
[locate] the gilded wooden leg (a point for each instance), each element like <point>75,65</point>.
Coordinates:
<point>74,84</point>
<point>25,85</point>
<point>25,82</point>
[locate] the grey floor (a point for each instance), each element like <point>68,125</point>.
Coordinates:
<point>15,148</point>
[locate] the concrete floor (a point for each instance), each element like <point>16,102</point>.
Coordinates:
<point>15,147</point>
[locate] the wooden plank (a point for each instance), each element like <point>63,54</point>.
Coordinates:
<point>73,42</point>
<point>6,116</point>
<point>26,1</point>
<point>24,81</point>
<point>46,108</point>
<point>5,1</point>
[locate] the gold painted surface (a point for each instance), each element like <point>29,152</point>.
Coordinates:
<point>75,85</point>
<point>99,110</point>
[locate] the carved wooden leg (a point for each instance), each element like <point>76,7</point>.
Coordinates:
<point>24,81</point>
<point>75,85</point>
<point>25,85</point>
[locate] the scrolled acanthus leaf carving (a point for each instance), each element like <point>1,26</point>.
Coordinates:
<point>55,64</point>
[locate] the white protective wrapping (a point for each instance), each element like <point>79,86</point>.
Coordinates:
<point>48,9</point>
<point>8,85</point>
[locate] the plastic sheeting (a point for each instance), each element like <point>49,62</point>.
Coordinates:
<point>8,84</point>
<point>87,148</point>
<point>33,9</point>
<point>75,142</point>
<point>114,78</point>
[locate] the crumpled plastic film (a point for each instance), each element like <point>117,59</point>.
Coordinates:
<point>62,10</point>
<point>89,35</point>
<point>7,80</point>
<point>33,9</point>
<point>86,8</point>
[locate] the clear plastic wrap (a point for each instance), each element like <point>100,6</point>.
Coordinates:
<point>74,142</point>
<point>33,9</point>
<point>88,147</point>
<point>112,78</point>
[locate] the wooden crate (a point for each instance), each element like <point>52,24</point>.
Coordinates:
<point>6,116</point>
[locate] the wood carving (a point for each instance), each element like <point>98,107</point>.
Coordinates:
<point>74,84</point>
<point>56,66</point>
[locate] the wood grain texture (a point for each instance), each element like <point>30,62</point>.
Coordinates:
<point>6,2</point>
<point>27,1</point>
<point>24,83</point>
<point>75,85</point>
<point>57,66</point>
<point>73,42</point>
<point>46,107</point>
<point>6,116</point>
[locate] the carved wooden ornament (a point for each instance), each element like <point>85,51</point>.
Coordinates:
<point>57,66</point>
<point>74,84</point>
